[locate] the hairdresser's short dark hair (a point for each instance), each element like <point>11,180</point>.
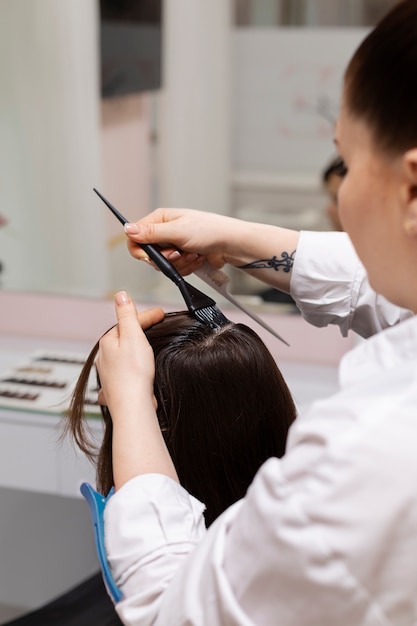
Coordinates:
<point>381,80</point>
<point>223,407</point>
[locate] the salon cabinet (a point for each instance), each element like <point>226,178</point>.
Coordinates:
<point>33,454</point>
<point>32,457</point>
<point>46,537</point>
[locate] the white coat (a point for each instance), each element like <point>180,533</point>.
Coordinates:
<point>326,536</point>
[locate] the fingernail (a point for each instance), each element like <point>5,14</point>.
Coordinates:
<point>122,298</point>
<point>131,229</point>
<point>174,255</point>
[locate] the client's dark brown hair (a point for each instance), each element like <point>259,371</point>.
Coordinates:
<point>223,407</point>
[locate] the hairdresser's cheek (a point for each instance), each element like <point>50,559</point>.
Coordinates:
<point>343,221</point>
<point>341,208</point>
<point>353,217</point>
<point>346,203</point>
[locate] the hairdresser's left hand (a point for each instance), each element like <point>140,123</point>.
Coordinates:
<point>126,368</point>
<point>125,360</point>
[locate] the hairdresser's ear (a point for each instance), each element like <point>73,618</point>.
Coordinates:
<point>410,192</point>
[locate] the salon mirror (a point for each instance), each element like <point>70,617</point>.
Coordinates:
<point>241,123</point>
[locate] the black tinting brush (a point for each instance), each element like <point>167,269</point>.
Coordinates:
<point>198,303</point>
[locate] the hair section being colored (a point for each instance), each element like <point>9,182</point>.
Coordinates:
<point>223,408</point>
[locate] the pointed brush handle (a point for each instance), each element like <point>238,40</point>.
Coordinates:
<point>152,251</point>
<point>162,263</point>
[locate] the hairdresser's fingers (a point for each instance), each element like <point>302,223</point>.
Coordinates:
<point>129,324</point>
<point>128,316</point>
<point>184,262</point>
<point>181,229</point>
<point>125,357</point>
<point>134,346</point>
<point>193,236</point>
<point>149,317</point>
<point>146,318</point>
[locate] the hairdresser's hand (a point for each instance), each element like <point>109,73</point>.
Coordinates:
<point>187,237</point>
<point>126,368</point>
<point>125,360</point>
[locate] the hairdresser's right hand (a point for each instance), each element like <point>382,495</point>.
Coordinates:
<point>188,237</point>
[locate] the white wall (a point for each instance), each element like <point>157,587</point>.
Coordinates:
<point>49,146</point>
<point>285,95</point>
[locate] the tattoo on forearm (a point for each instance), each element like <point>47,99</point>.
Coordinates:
<point>286,262</point>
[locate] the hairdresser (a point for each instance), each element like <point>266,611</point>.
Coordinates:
<point>328,534</point>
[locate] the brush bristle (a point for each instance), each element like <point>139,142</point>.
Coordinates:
<point>202,306</point>
<point>212,317</point>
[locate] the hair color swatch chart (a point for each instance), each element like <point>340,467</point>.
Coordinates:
<point>44,382</point>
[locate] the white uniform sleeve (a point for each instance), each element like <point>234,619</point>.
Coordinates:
<point>330,286</point>
<point>307,546</point>
<point>151,524</point>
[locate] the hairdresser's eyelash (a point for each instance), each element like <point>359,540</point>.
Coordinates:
<point>340,168</point>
